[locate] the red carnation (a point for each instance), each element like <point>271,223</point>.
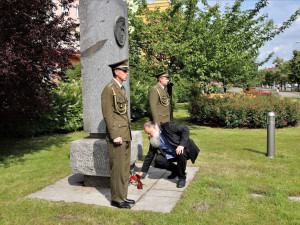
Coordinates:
<point>134,178</point>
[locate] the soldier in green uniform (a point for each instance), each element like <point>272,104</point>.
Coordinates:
<point>159,99</point>
<point>118,135</point>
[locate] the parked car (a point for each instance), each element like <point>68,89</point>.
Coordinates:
<point>257,90</point>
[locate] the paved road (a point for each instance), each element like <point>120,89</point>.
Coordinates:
<point>290,94</point>
<point>234,89</point>
<point>281,93</point>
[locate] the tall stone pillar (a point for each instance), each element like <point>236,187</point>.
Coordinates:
<point>103,41</point>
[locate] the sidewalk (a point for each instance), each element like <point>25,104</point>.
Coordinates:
<point>289,94</point>
<point>158,194</point>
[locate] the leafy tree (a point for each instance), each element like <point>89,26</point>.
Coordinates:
<point>201,44</point>
<point>278,61</point>
<point>35,44</point>
<point>295,68</point>
<point>262,76</point>
<point>270,77</point>
<point>284,71</point>
<point>279,75</point>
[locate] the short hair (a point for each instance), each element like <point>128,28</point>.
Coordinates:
<point>114,71</point>
<point>149,124</point>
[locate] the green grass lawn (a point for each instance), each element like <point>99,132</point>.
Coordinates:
<point>232,166</point>
<point>295,99</point>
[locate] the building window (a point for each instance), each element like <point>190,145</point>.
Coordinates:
<point>77,11</point>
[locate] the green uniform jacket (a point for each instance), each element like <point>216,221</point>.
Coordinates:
<point>115,112</point>
<point>160,104</point>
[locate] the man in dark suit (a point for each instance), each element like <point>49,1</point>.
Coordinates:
<point>174,144</point>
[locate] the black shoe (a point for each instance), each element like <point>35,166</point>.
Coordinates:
<point>181,183</point>
<point>122,205</point>
<point>129,201</point>
<point>172,176</point>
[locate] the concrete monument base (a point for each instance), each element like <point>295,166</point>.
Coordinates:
<point>99,181</point>
<point>89,156</point>
<point>96,181</point>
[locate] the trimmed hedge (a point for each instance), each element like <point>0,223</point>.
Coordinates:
<point>243,110</point>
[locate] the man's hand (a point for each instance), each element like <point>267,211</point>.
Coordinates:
<point>118,140</point>
<point>179,150</point>
<point>140,174</point>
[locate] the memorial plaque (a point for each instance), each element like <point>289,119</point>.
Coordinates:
<point>120,31</point>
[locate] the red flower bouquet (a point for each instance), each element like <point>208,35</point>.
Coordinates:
<point>135,180</point>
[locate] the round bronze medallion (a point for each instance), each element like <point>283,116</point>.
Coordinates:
<point>120,30</point>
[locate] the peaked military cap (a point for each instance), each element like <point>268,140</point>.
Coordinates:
<point>122,65</point>
<point>162,74</point>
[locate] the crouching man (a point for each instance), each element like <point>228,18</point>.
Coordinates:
<point>170,143</point>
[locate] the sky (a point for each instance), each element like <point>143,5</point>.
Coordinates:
<point>280,11</point>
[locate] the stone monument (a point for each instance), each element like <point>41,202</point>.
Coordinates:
<point>103,41</point>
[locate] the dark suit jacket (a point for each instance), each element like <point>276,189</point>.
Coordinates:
<point>176,135</point>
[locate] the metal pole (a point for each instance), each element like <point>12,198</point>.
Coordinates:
<point>271,135</point>
<point>170,87</point>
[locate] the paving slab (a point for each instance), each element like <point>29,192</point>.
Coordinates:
<point>295,198</point>
<point>156,204</point>
<point>159,194</point>
<point>257,195</point>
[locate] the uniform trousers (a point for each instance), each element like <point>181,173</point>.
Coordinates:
<point>162,162</point>
<point>119,161</point>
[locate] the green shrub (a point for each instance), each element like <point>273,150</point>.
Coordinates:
<point>139,101</point>
<point>65,109</point>
<point>242,110</point>
<point>75,72</point>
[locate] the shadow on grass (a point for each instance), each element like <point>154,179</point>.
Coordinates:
<point>12,149</point>
<point>255,151</point>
